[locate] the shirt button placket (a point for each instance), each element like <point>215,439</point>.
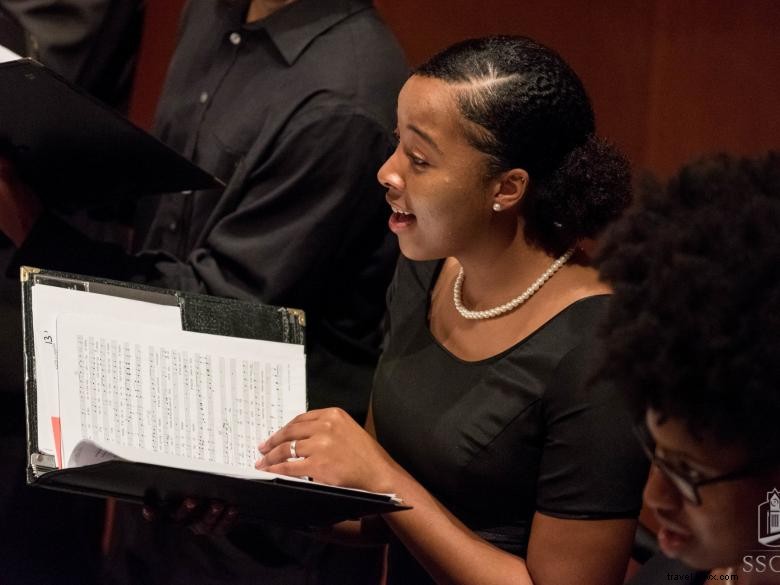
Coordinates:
<point>235,39</point>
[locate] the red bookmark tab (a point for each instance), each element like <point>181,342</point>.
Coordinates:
<point>57,430</point>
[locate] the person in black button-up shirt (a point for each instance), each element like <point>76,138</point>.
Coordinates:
<point>294,108</point>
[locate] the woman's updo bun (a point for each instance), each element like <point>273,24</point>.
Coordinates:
<point>588,190</point>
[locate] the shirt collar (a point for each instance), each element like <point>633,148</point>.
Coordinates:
<point>293,27</point>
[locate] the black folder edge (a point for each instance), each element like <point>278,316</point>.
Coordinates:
<point>279,500</point>
<point>195,177</point>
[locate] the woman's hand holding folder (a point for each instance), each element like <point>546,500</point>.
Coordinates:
<point>328,446</point>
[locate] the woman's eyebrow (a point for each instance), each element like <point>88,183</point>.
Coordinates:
<point>425,136</point>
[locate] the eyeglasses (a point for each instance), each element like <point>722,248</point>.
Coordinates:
<point>686,479</point>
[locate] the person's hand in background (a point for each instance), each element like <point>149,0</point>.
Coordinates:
<point>20,207</point>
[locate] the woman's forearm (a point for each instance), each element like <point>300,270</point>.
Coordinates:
<point>445,547</point>
<point>370,531</point>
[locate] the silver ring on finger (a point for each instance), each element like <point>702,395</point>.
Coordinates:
<point>293,452</point>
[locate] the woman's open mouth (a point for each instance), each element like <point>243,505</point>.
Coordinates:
<point>400,219</point>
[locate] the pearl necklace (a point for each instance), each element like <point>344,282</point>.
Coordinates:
<point>515,302</point>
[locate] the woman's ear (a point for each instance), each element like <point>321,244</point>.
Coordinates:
<point>512,186</point>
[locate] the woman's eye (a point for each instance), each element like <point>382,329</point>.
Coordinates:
<point>417,161</point>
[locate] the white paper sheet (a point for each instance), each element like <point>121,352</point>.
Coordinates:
<point>174,398</point>
<point>50,301</point>
<point>87,452</point>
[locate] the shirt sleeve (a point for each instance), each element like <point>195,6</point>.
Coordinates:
<point>311,212</point>
<point>90,42</point>
<point>592,466</point>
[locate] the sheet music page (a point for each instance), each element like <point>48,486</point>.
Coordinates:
<point>87,452</point>
<point>50,301</point>
<point>174,398</point>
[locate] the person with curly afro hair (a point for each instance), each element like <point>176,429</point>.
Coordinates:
<point>693,334</point>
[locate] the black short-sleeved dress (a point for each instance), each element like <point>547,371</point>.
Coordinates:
<point>498,439</point>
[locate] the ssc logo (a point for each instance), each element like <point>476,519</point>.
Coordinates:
<point>769,520</point>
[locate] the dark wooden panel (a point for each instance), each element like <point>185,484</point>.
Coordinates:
<point>669,79</point>
<point>159,40</point>
<point>715,80</point>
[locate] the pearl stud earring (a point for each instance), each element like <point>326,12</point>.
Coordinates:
<point>496,206</point>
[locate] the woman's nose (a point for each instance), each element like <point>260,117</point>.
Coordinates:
<point>388,175</point>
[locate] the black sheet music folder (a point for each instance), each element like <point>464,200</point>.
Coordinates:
<point>279,499</point>
<point>78,153</point>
